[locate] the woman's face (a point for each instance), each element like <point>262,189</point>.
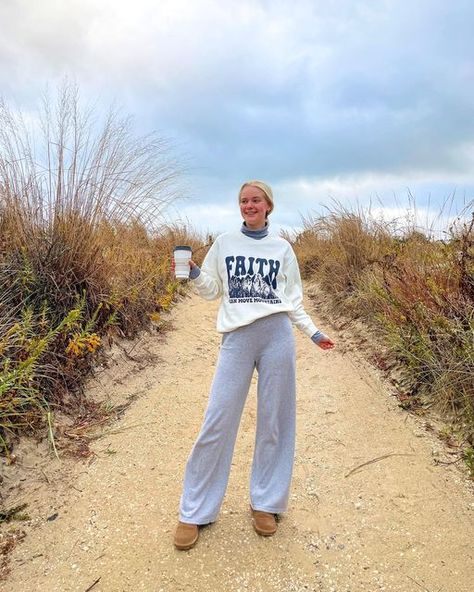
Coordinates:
<point>253,207</point>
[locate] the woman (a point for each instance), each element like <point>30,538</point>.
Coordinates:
<point>257,277</point>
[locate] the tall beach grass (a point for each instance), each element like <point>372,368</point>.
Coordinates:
<point>84,255</point>
<point>414,289</point>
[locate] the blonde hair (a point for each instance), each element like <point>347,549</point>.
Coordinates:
<point>267,190</point>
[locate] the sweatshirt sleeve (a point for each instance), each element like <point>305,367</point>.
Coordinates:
<point>208,283</point>
<point>294,292</point>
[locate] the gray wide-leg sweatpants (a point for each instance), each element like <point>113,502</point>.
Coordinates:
<point>268,345</point>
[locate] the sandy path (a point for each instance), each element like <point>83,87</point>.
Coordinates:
<point>401,523</point>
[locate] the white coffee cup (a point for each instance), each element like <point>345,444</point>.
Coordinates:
<point>182,255</point>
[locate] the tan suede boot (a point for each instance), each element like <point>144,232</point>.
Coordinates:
<point>186,536</point>
<point>264,523</point>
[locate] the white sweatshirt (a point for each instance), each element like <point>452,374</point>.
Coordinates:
<point>255,278</point>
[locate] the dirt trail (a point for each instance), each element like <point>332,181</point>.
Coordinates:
<point>400,523</point>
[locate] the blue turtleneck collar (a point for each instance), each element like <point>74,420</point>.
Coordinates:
<point>257,234</point>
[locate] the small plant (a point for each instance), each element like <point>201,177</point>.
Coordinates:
<point>468,457</point>
<point>15,513</point>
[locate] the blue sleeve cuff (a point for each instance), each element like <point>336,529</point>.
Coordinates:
<point>318,336</point>
<point>194,272</point>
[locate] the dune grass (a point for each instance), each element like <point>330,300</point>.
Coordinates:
<point>84,255</point>
<point>416,290</point>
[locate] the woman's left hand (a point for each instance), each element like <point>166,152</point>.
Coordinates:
<point>326,343</point>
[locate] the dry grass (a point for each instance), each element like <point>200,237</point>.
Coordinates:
<point>416,291</point>
<point>83,255</point>
<point>8,541</point>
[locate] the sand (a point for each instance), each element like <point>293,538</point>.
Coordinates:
<point>371,507</point>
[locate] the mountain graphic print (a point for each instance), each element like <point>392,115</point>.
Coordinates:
<point>252,279</point>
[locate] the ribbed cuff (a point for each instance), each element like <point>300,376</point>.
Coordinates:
<point>318,336</point>
<point>194,273</point>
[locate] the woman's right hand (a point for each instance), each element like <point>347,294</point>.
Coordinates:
<point>173,265</point>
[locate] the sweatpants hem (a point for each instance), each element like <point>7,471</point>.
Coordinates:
<point>197,522</point>
<point>269,510</point>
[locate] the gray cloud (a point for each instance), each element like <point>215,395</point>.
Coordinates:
<point>311,90</point>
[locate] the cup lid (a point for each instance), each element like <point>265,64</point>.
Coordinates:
<point>183,248</point>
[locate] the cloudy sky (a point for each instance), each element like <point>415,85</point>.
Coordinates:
<point>349,101</point>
